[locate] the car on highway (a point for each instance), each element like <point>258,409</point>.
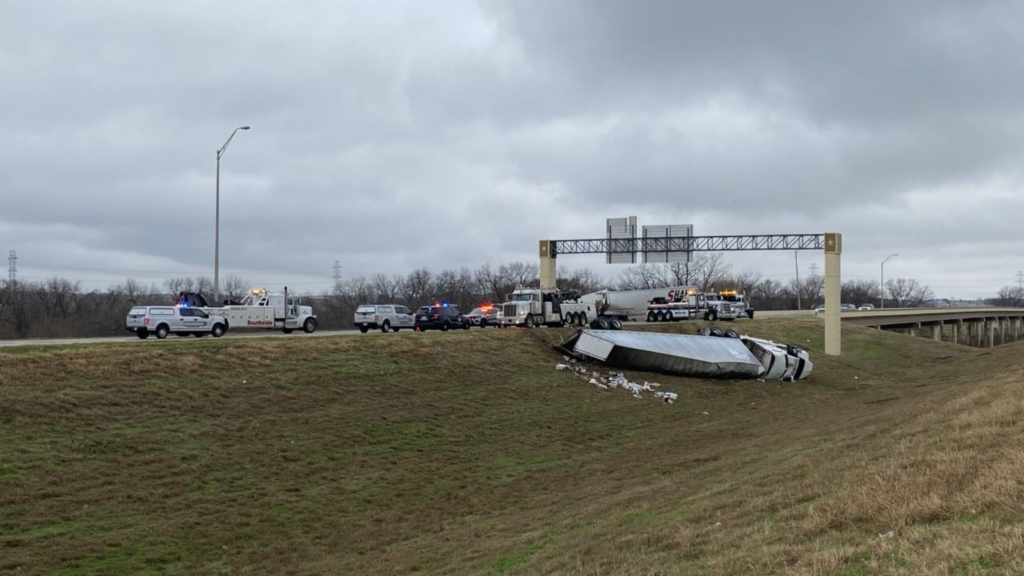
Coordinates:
<point>819,308</point>
<point>386,317</point>
<point>866,307</point>
<point>484,316</point>
<point>847,307</point>
<point>441,317</point>
<point>183,321</point>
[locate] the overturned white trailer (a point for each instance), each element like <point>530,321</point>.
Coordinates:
<point>686,355</point>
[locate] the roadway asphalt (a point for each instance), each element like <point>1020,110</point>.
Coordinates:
<point>151,339</point>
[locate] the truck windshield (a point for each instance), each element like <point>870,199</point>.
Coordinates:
<point>524,297</point>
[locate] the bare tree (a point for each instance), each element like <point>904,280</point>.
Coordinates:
<point>1011,296</point>
<point>233,288</point>
<point>708,270</point>
<point>906,292</point>
<point>859,292</point>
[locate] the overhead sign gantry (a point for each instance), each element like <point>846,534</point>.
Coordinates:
<point>830,242</point>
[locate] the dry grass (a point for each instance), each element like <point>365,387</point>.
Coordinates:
<point>467,454</point>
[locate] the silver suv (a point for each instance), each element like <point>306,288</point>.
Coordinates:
<point>387,317</point>
<point>164,320</point>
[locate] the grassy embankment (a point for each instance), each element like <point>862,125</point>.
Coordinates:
<point>466,453</point>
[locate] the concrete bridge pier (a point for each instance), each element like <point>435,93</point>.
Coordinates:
<point>937,331</point>
<point>954,329</point>
<point>990,333</point>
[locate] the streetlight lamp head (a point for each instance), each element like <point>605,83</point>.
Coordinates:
<point>244,128</point>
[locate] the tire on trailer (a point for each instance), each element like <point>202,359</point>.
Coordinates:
<point>716,332</point>
<point>615,324</point>
<point>732,334</point>
<point>599,323</point>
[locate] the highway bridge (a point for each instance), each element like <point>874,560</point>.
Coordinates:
<point>981,327</point>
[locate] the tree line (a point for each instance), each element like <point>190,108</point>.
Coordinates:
<point>58,307</point>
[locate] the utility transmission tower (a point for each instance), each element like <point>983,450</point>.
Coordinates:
<point>1020,279</point>
<point>337,274</point>
<point>814,270</point>
<point>12,266</point>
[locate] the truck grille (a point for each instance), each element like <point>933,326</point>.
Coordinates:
<point>509,310</point>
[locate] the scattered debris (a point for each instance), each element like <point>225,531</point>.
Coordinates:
<point>887,535</point>
<point>614,380</point>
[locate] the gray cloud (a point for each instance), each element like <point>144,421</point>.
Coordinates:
<point>399,134</point>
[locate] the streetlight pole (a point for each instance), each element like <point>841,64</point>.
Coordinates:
<point>881,283</point>
<point>216,233</point>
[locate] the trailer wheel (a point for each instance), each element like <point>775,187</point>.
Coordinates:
<point>385,327</point>
<point>615,324</point>
<point>162,331</point>
<point>530,321</point>
<point>651,316</point>
<point>309,326</point>
<point>599,323</point>
<point>218,330</point>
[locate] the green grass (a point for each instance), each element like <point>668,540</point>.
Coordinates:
<point>467,453</point>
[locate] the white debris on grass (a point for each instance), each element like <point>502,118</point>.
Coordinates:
<point>613,380</point>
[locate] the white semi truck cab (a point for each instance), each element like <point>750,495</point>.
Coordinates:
<point>531,307</point>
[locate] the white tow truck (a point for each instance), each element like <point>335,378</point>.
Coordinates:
<point>259,309</point>
<point>531,307</point>
<point>724,305</point>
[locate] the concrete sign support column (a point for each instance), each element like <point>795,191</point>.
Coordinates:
<point>548,266</point>
<point>833,283</point>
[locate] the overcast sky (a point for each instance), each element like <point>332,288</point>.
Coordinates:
<point>392,135</point>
